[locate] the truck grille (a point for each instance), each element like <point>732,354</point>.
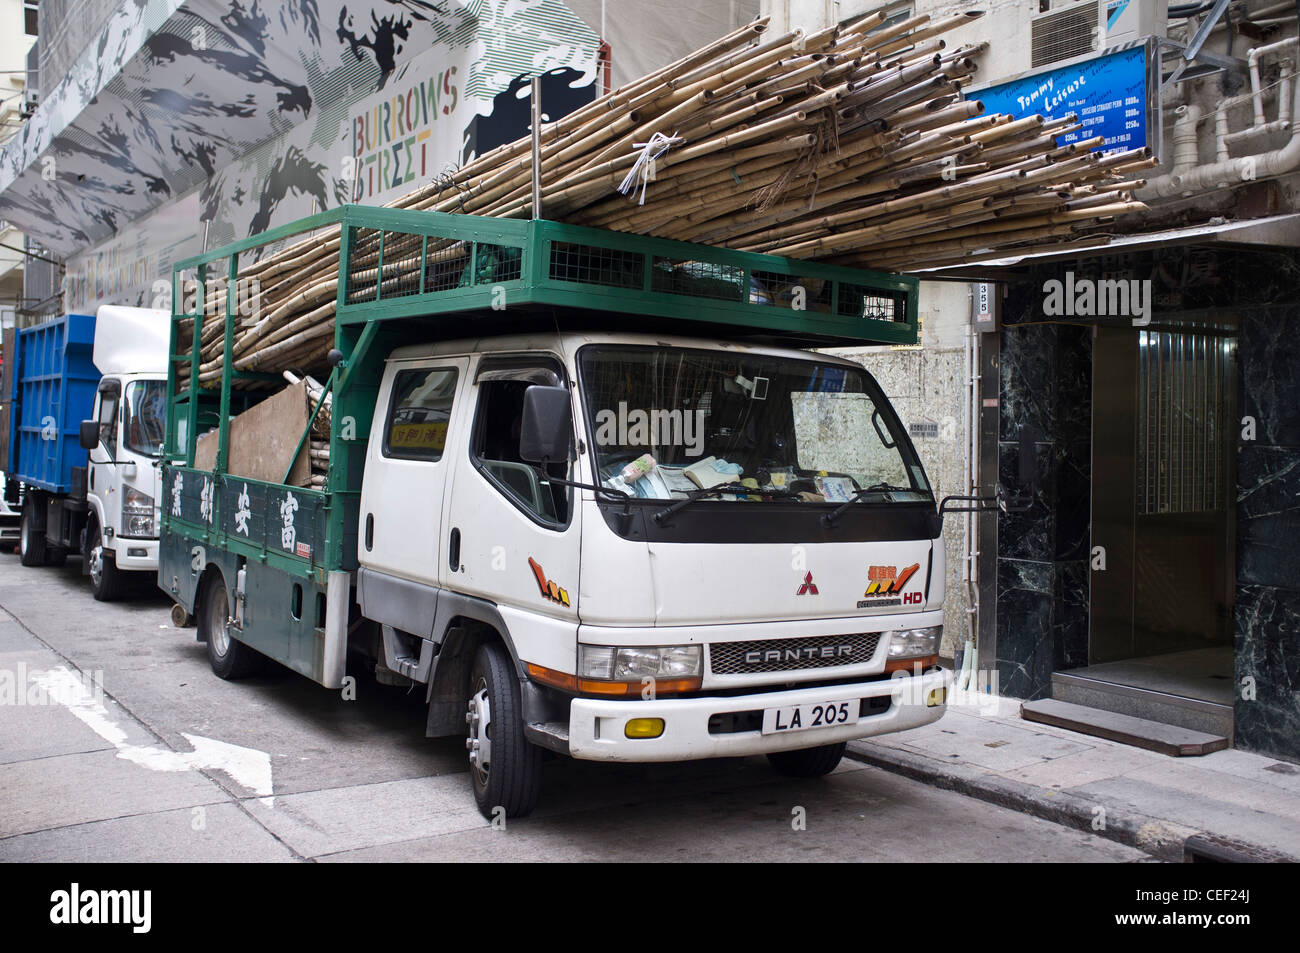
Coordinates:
<point>788,655</point>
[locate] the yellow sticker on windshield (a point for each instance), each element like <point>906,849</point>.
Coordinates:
<point>431,436</point>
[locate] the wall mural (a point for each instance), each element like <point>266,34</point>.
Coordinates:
<point>269,111</point>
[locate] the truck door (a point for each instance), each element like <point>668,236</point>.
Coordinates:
<point>100,482</point>
<point>513,537</point>
<point>406,469</point>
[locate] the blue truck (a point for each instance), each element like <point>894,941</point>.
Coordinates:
<point>84,418</point>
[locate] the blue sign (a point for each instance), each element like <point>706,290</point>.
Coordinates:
<point>1108,94</point>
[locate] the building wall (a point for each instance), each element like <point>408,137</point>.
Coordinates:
<point>1267,612</point>
<point>67,26</point>
<point>1042,555</point>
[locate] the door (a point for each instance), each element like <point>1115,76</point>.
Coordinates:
<point>517,532</point>
<point>1162,503</point>
<point>406,469</point>
<point>100,478</point>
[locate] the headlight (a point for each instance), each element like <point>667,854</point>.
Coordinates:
<point>137,513</point>
<point>915,643</point>
<point>632,663</point>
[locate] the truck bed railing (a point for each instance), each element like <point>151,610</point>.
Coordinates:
<point>448,272</point>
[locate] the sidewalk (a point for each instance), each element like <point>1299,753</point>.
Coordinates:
<point>1228,806</point>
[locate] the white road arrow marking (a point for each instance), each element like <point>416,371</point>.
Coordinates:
<point>247,767</point>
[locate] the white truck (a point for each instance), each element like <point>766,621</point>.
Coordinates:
<point>603,542</point>
<point>90,486</point>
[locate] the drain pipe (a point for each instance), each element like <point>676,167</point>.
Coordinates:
<point>970,567</point>
<point>1186,181</point>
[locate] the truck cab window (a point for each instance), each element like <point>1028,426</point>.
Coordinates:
<point>419,413</point>
<point>496,448</point>
<point>108,422</point>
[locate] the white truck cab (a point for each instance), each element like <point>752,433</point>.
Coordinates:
<point>688,548</point>
<point>124,439</point>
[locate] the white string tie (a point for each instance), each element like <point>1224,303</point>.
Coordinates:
<point>644,167</point>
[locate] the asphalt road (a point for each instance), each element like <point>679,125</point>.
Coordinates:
<point>168,762</point>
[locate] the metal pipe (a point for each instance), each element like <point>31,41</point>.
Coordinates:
<point>536,96</point>
<point>1227,169</point>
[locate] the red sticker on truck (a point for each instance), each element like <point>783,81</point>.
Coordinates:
<point>549,589</point>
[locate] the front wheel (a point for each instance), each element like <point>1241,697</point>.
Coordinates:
<point>807,762</point>
<point>107,582</point>
<point>228,657</point>
<point>505,768</point>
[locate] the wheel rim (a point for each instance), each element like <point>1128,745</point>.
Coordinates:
<point>217,616</point>
<point>23,533</point>
<point>97,563</point>
<point>479,741</point>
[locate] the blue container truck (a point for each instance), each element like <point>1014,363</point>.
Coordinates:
<point>52,381</point>
<point>85,416</point>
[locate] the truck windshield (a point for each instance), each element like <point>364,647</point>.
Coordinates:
<point>668,422</point>
<point>145,418</point>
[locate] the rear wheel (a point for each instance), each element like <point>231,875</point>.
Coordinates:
<point>107,582</point>
<point>31,538</point>
<point>505,768</point>
<point>228,657</point>
<point>807,762</point>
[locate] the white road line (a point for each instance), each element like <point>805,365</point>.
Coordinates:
<point>247,767</point>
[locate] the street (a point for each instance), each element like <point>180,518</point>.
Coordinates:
<point>178,765</point>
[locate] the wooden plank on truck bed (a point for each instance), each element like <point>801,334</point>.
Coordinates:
<point>262,439</point>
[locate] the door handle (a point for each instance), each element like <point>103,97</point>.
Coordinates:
<point>370,531</point>
<point>453,550</point>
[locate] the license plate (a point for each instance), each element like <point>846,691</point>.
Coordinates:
<point>812,715</point>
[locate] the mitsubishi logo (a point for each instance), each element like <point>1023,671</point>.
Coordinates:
<point>809,588</point>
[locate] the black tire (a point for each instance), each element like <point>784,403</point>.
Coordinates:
<point>229,658</point>
<point>512,776</point>
<point>107,582</point>
<point>31,540</point>
<point>807,762</point>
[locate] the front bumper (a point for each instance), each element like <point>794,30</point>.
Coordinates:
<point>596,725</point>
<point>136,555</point>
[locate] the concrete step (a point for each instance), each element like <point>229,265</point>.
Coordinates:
<point>1194,713</point>
<point>1172,740</point>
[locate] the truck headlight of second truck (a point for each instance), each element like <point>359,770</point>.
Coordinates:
<point>137,514</point>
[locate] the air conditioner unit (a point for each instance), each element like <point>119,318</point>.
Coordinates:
<point>1067,29</point>
<point>1128,21</point>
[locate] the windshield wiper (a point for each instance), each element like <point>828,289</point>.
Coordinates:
<point>733,487</point>
<point>828,519</point>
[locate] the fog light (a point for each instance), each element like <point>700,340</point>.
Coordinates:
<point>936,697</point>
<point>644,728</point>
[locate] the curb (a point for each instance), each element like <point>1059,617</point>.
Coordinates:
<point>1162,839</point>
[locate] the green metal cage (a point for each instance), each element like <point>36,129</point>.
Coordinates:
<point>397,267</point>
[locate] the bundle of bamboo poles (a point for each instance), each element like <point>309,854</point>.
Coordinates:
<point>853,145</point>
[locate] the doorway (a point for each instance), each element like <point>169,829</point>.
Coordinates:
<point>1162,579</point>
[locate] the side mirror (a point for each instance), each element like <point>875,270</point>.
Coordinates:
<point>89,434</point>
<point>546,430</point>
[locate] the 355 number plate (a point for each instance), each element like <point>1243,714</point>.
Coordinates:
<point>813,715</point>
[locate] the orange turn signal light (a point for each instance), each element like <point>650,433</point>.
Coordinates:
<point>913,666</point>
<point>594,686</point>
<point>661,686</point>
